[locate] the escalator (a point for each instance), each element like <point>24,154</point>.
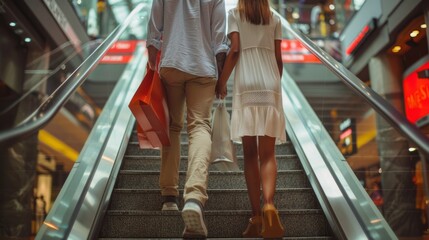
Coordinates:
<point>112,190</point>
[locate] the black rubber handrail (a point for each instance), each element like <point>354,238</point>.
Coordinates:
<point>49,108</point>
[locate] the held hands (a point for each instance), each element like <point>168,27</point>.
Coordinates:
<point>221,90</point>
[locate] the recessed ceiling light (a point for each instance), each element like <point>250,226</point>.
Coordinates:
<point>295,15</point>
<point>12,24</point>
<point>412,149</point>
<point>27,40</point>
<point>423,25</point>
<point>396,49</point>
<point>414,33</point>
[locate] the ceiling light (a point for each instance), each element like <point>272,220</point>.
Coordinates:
<point>331,6</point>
<point>396,49</point>
<point>295,15</point>
<point>412,149</point>
<point>423,25</point>
<point>12,24</point>
<point>414,33</point>
<point>27,40</point>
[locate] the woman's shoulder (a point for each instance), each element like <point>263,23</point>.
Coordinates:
<point>233,11</point>
<point>275,17</point>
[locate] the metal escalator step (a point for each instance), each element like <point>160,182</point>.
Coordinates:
<point>221,224</point>
<point>219,199</point>
<point>137,179</point>
<point>134,149</point>
<point>145,162</point>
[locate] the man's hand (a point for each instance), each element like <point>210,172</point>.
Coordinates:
<point>152,54</point>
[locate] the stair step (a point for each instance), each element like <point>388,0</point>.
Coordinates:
<point>134,149</point>
<point>219,199</point>
<point>146,162</point>
<point>221,224</point>
<point>137,179</point>
<point>239,238</point>
<point>183,136</point>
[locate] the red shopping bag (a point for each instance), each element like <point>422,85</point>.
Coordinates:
<point>149,107</point>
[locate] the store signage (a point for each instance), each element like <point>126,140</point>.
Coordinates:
<point>348,143</point>
<point>62,21</point>
<point>294,52</point>
<point>121,52</point>
<point>360,38</point>
<point>124,46</point>
<point>416,94</point>
<point>116,59</point>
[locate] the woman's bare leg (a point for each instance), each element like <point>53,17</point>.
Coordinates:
<point>251,173</point>
<point>268,166</point>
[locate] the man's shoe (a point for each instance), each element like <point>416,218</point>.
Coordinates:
<point>192,215</point>
<point>169,203</point>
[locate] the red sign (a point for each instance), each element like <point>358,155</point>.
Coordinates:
<point>116,59</point>
<point>416,95</point>
<point>360,37</point>
<point>124,46</point>
<point>121,52</point>
<point>294,52</point>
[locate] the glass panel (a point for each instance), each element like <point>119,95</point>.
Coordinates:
<point>383,160</point>
<point>57,146</point>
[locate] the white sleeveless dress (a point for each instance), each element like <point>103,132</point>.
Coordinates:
<point>257,101</point>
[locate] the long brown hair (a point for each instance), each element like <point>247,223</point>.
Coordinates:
<point>255,11</point>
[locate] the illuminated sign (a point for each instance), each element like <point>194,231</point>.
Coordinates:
<point>125,46</point>
<point>416,93</point>
<point>347,142</point>
<point>360,37</point>
<point>294,52</point>
<point>121,52</point>
<point>116,59</point>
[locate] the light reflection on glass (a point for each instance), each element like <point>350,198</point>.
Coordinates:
<point>51,225</point>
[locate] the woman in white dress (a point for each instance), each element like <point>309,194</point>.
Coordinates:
<point>257,116</point>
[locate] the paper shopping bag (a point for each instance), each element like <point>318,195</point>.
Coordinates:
<point>223,149</point>
<point>149,107</point>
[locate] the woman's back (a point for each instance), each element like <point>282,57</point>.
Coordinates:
<point>257,105</point>
<point>252,35</point>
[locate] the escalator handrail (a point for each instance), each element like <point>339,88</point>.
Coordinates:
<point>48,109</point>
<point>45,78</point>
<point>346,204</point>
<point>79,208</point>
<point>379,104</point>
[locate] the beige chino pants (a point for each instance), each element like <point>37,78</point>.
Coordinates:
<point>198,95</point>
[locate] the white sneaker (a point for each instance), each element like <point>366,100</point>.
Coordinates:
<point>192,215</point>
<point>170,206</point>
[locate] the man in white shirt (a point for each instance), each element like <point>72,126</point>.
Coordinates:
<point>191,37</point>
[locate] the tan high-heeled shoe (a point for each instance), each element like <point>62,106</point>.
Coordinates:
<point>271,224</point>
<point>254,227</point>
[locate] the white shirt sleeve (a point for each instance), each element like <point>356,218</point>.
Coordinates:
<point>156,24</point>
<point>219,27</point>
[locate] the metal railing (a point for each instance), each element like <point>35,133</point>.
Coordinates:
<point>53,103</point>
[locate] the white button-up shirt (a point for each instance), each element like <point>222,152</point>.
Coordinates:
<point>192,33</point>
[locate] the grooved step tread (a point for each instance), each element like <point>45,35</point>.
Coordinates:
<point>225,224</point>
